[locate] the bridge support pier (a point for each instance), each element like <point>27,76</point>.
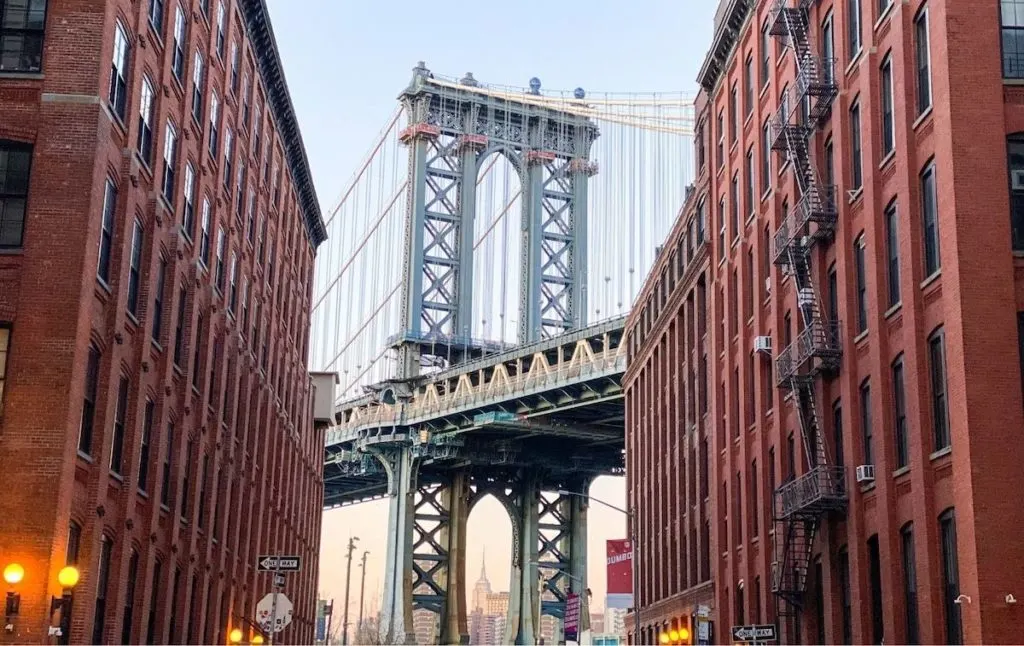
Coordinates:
<point>396,611</point>
<point>523,624</point>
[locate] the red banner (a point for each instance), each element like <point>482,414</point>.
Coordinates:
<point>620,573</point>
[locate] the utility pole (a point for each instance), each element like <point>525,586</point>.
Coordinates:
<point>362,589</point>
<point>348,581</point>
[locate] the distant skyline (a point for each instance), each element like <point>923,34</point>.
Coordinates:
<point>345,63</point>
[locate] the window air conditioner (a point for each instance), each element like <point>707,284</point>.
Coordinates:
<point>763,344</point>
<point>866,473</point>
<point>1017,179</point>
<point>768,285</point>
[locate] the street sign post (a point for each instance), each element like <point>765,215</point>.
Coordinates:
<point>278,563</point>
<point>278,580</point>
<point>755,633</point>
<point>274,613</point>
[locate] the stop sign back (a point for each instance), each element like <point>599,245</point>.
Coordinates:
<point>265,608</point>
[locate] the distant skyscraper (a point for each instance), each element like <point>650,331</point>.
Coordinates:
<point>424,625</point>
<point>482,587</point>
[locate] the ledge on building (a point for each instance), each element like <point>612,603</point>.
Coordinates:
<point>323,397</point>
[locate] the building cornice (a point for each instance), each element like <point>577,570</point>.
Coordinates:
<point>264,45</point>
<point>727,32</point>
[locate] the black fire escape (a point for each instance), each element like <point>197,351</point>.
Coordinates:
<point>802,504</point>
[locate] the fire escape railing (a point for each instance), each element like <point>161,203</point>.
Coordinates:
<point>802,504</point>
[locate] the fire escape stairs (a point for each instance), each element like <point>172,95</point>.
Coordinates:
<point>803,503</point>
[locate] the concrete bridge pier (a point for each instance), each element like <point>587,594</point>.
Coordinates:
<point>396,610</point>
<point>523,623</point>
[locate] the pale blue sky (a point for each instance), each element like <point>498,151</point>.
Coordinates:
<point>346,61</point>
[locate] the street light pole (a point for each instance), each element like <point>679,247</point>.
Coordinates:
<point>348,581</point>
<point>362,589</point>
<point>634,552</point>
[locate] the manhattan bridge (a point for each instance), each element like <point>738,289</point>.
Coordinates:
<point>471,298</point>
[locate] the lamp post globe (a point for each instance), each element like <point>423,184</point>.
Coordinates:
<point>235,636</point>
<point>257,639</point>
<point>14,573</point>
<point>68,576</point>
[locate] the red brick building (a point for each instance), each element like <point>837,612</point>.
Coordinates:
<point>158,226</point>
<point>866,323</point>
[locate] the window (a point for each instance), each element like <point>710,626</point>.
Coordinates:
<point>129,598</point>
<point>875,576</point>
<point>74,542</point>
<point>15,164</point>
<point>147,434</point>
<point>220,260</point>
<point>766,54</point>
<point>220,29</point>
<point>156,15</point>
<point>845,598</point>
<point>1015,162</point>
<point>154,600</point>
<point>178,57</point>
<point>937,370</point>
<point>734,130</point>
<point>144,140</point>
<point>735,206</point>
<point>853,26</point>
<point>214,111</point>
<point>233,291</point>
<point>923,60</point>
<point>204,234</point>
<point>888,121</point>
<point>830,170</point>
<point>246,112</point>
<point>755,516</point>
<point>92,378</point>
<point>909,583</point>
<point>883,5</point>
<point>766,157</point>
<point>134,270</point>
<point>202,490</point>
<point>892,253</point>
<point>197,93</point>
<point>118,93</point>
<point>828,48</point>
<point>106,231</point>
<point>228,145</point>
<point>721,230</point>
<point>5,345</point>
<point>862,287</point>
<point>837,433</point>
<point>748,85</point>
<point>1020,345</point>
<point>750,181</point>
<point>189,210</point>
<point>900,409</point>
<point>721,147</point>
<point>1012,19</point>
<point>102,578</point>
<point>865,421</point>
<point>790,458</point>
<point>833,294</point>
<point>950,577</point>
<point>856,170</point>
<point>165,477</point>
<point>245,304</point>
<point>158,300</point>
<point>179,328</point>
<point>22,25</point>
<point>930,218</point>
<point>175,589</point>
<point>117,448</point>
<point>819,601</point>
<point>234,67</point>
<point>185,480</point>
<point>170,156</point>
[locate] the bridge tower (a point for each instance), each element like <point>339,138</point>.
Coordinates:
<point>804,503</point>
<point>452,128</point>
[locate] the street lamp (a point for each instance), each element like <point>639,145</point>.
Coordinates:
<point>235,636</point>
<point>633,529</point>
<point>68,579</point>
<point>13,574</point>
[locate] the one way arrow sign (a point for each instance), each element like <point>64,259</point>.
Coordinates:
<point>272,563</point>
<point>759,633</point>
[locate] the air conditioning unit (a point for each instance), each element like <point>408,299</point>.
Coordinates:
<point>768,285</point>
<point>763,344</point>
<point>866,473</point>
<point>1017,179</point>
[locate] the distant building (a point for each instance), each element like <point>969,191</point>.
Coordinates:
<point>424,625</point>
<point>614,621</point>
<point>482,588</point>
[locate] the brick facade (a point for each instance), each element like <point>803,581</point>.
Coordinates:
<point>209,381</point>
<point>941,318</point>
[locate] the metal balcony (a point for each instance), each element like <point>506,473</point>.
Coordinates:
<point>817,205</point>
<point>819,340</point>
<point>816,79</point>
<point>819,491</point>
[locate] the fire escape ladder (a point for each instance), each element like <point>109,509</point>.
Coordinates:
<point>803,503</point>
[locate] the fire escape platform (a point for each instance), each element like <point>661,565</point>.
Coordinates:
<point>822,490</point>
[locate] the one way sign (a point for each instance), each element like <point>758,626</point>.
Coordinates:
<point>758,633</point>
<point>272,563</point>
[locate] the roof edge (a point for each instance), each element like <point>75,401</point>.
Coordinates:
<point>261,34</point>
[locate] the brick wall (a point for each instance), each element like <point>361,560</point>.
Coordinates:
<point>242,411</point>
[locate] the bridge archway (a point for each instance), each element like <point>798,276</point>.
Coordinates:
<point>498,245</point>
